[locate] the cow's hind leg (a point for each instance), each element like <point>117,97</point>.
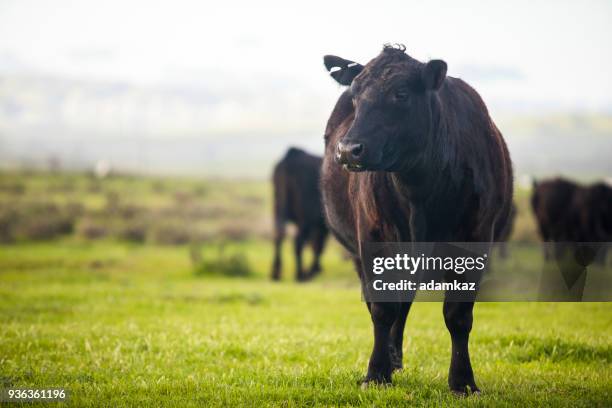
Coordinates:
<point>396,340</point>
<point>300,240</point>
<point>458,319</point>
<point>383,316</point>
<point>318,243</point>
<point>279,235</point>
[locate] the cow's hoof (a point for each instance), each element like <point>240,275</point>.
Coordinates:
<point>463,392</point>
<point>313,273</point>
<point>396,359</point>
<point>376,380</point>
<point>364,385</point>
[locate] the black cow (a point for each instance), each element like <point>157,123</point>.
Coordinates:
<point>297,199</point>
<point>412,155</point>
<point>568,212</point>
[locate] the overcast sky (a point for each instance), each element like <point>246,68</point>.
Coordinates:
<point>262,61</point>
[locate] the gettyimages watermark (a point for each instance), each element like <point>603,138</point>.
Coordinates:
<point>485,272</point>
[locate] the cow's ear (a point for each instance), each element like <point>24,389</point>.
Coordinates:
<point>343,71</point>
<point>433,74</point>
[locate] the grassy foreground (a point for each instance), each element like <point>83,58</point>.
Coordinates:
<point>127,324</point>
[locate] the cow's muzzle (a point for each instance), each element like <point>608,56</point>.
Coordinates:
<point>349,154</point>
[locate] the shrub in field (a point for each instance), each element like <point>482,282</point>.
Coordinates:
<point>44,227</point>
<point>7,222</point>
<point>127,226</point>
<point>92,229</point>
<point>183,197</point>
<point>133,232</point>
<point>35,220</point>
<point>173,233</point>
<point>129,211</point>
<point>222,264</point>
<point>14,188</point>
<point>216,260</point>
<point>234,231</point>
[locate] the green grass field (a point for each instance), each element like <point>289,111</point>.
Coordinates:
<point>120,323</point>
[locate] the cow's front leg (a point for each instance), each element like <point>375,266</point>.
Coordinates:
<point>380,367</point>
<point>396,340</point>
<point>458,319</point>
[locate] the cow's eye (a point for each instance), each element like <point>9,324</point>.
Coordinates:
<point>401,94</point>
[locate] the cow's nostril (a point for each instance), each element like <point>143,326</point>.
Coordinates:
<point>349,152</point>
<point>357,150</point>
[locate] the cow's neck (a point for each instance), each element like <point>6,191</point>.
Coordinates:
<point>422,178</point>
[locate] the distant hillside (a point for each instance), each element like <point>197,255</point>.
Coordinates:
<point>220,128</point>
<point>569,144</point>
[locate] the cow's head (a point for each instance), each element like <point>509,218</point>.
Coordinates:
<point>393,111</point>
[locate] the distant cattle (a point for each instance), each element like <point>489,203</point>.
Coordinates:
<point>568,212</point>
<point>297,199</point>
<point>412,155</point>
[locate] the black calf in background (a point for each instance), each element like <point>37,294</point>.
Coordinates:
<point>569,212</point>
<point>297,199</point>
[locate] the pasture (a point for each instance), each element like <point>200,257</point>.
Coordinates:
<point>155,291</point>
